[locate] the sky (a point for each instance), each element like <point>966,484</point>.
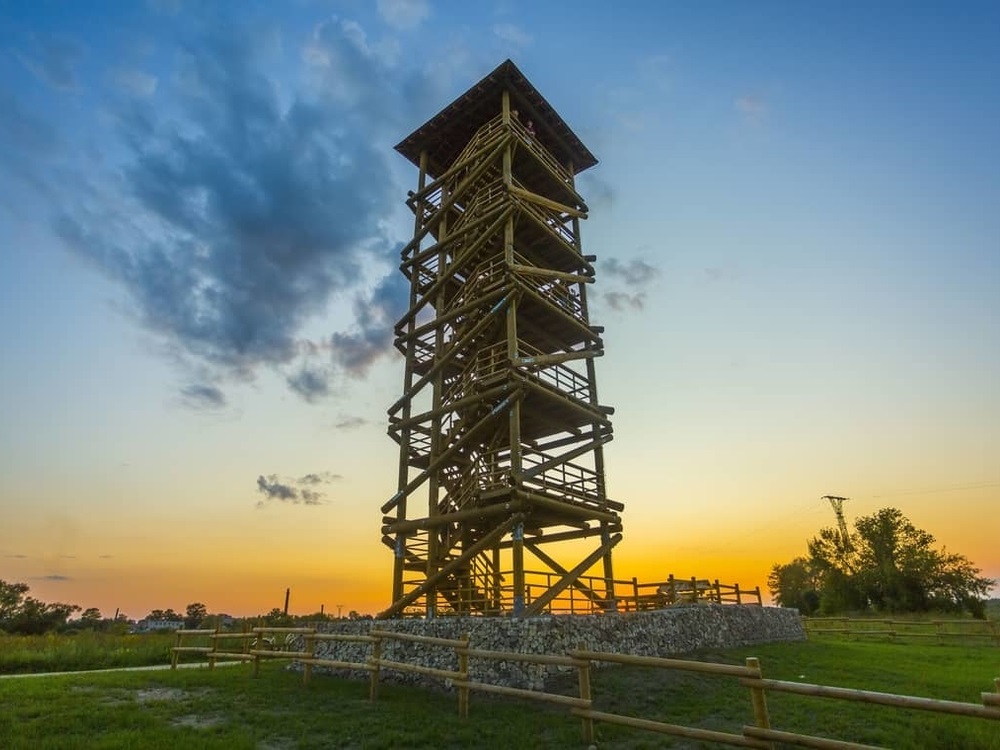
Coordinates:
<point>796,221</point>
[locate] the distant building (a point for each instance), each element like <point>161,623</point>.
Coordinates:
<point>149,626</point>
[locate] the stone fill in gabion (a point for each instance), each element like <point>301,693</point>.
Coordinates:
<point>674,631</point>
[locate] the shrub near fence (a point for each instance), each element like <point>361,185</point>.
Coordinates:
<point>760,734</point>
<point>866,627</point>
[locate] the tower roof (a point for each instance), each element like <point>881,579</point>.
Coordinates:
<point>446,134</point>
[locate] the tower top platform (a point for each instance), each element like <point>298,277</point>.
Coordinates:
<point>447,133</point>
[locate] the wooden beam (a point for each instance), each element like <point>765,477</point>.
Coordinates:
<point>484,543</point>
<point>538,606</point>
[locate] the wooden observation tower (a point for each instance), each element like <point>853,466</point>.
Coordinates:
<point>499,428</point>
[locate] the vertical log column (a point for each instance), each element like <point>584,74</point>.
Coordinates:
<point>611,602</point>
<point>399,558</point>
<point>434,481</point>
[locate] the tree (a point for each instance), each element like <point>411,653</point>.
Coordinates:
<point>26,615</point>
<point>797,585</point>
<point>196,612</point>
<point>886,565</point>
<point>91,618</point>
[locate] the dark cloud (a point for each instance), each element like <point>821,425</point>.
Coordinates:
<point>54,60</point>
<point>18,557</point>
<point>242,212</point>
<point>301,491</point>
<point>623,301</point>
<point>275,490</point>
<point>106,557</point>
<point>350,423</point>
<point>203,396</point>
<point>635,272</point>
<point>627,282</point>
<point>310,382</point>
<point>56,577</point>
<point>324,477</point>
<point>375,313</point>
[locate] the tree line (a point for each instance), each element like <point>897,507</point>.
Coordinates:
<point>886,565</point>
<point>25,615</point>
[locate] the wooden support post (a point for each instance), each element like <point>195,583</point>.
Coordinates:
<point>175,654</point>
<point>758,699</point>
<point>517,553</point>
<point>672,588</point>
<point>694,589</point>
<point>215,647</point>
<point>635,592</point>
<point>585,694</point>
<point>739,599</point>
<point>463,667</point>
<point>310,645</point>
<point>538,606</point>
<point>375,661</point>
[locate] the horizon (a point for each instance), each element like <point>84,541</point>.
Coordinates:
<point>798,264</point>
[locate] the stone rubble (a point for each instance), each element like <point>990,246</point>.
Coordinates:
<point>670,632</point>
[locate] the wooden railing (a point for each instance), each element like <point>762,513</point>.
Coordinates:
<point>904,630</point>
<point>759,734</point>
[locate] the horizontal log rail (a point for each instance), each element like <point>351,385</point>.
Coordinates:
<point>895,629</point>
<point>760,734</point>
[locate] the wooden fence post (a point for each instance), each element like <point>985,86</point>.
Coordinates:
<point>759,699</point>
<point>463,667</point>
<point>694,589</point>
<point>174,653</point>
<point>376,658</point>
<point>215,647</point>
<point>739,599</point>
<point>310,645</point>
<point>585,694</point>
<point>672,588</point>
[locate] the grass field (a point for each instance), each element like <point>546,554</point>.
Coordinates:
<point>20,654</point>
<point>226,708</point>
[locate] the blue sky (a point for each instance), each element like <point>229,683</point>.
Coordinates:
<point>795,216</point>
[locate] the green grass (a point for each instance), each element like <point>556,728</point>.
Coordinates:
<point>226,708</point>
<point>20,654</point>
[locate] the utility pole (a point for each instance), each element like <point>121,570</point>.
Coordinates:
<point>340,608</point>
<point>838,509</point>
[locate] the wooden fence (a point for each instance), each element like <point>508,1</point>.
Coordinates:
<point>262,643</point>
<point>904,630</point>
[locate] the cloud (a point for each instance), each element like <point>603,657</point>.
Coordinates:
<point>350,423</point>
<point>243,211</point>
<point>54,60</point>
<point>275,490</point>
<point>635,272</point>
<point>310,382</point>
<point>598,192</point>
<point>18,557</point>
<point>376,313</point>
<point>106,557</point>
<point>513,35</point>
<point>301,491</point>
<point>753,108</point>
<point>403,14</point>
<point>628,282</point>
<point>201,396</point>
<point>55,577</point>
<point>623,301</point>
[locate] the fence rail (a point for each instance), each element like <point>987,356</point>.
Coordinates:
<point>893,629</point>
<point>759,734</point>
